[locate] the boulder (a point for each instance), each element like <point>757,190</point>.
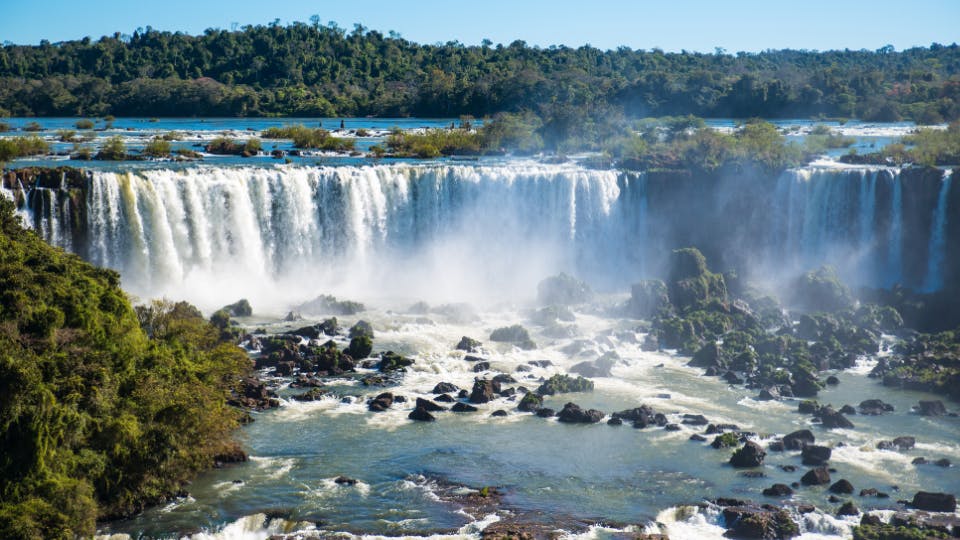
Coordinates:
<point>381,402</point>
<point>445,398</point>
<point>597,368</point>
<point>445,388</point>
<point>750,454</point>
<point>240,308</point>
<point>934,502</point>
<point>641,416</point>
<point>512,334</point>
<point>463,407</point>
<point>360,347</point>
<point>546,412</point>
<point>469,344</point>
<point>428,405</point>
<point>499,413</point>
<point>691,285</point>
<point>798,439</point>
<point>932,408</point>
<point>842,487</point>
<point>874,407</point>
<point>391,361</point>
<point>421,415</point>
<point>900,443</point>
<point>345,481</point>
<point>530,402</point>
<point>848,509</point>
<point>561,384</point>
<point>833,419</point>
<point>821,290</point>
<point>361,328</point>
<point>755,522</point>
<point>562,289</point>
<point>573,414</point>
<point>815,455</point>
<point>480,367</point>
<point>484,391</point>
<point>816,477</point>
<point>778,490</point>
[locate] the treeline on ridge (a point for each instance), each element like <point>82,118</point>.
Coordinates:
<point>316,70</point>
<point>104,409</point>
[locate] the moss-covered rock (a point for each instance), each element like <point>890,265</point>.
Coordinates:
<point>691,285</point>
<point>820,290</point>
<point>562,384</point>
<point>563,289</point>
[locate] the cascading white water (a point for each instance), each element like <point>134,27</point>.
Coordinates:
<point>278,235</point>
<point>212,234</point>
<point>938,236</point>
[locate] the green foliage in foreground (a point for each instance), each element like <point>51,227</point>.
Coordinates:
<point>304,137</point>
<point>98,418</point>
<point>893,532</point>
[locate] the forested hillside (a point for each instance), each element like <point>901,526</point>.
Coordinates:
<point>103,409</point>
<point>315,70</point>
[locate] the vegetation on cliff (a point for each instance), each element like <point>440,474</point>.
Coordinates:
<point>103,409</point>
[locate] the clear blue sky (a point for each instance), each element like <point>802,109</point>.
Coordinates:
<point>672,25</point>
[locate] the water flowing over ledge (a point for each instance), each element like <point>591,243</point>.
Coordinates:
<point>468,231</point>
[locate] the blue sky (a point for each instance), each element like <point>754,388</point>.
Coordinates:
<point>672,25</point>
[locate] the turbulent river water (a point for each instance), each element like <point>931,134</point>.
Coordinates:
<point>472,241</point>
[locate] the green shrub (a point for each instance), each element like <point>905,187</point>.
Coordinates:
<point>158,147</point>
<point>83,124</point>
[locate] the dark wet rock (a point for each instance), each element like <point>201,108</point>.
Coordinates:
<point>615,421</point>
<point>546,412</point>
<point>750,454</point>
<point>816,477</point>
<point>313,394</point>
<point>284,369</point>
<point>373,380</point>
<point>472,358</point>
<point>484,391</point>
<point>732,378</point>
<point>757,522</point>
<point>874,407</point>
<point>707,356</point>
<point>691,285</point>
<point>832,380</point>
<point>504,378</point>
<point>523,369</point>
<point>574,414</point>
<point>870,520</point>
<point>463,407</point>
<point>561,384</point>
<point>445,388</point>
<point>597,368</point>
<point>848,409</point>
<point>428,405</point>
<point>530,402</point>
<point>695,419</point>
<point>769,394</point>
<point>381,402</point>
<point>776,446</point>
<point>540,363</point>
<point>753,474</point>
<point>697,437</point>
<point>463,394</point>
<point>833,419</point>
<point>421,415</point>
<point>808,406</point>
<point>934,502</point>
<point>942,462</point>
<point>345,481</point>
<point>873,492</point>
<point>391,361</point>
<point>798,439</point>
<point>932,408</point>
<point>848,509</point>
<point>469,344</point>
<point>647,299</point>
<point>508,392</point>
<point>292,316</point>
<point>900,443</point>
<point>480,367</point>
<point>499,413</point>
<point>842,487</point>
<point>641,416</point>
<point>713,429</point>
<point>778,490</point>
<point>788,468</point>
<point>240,308</point>
<point>806,384</point>
<point>563,289</point>
<point>445,398</point>
<point>672,427</point>
<point>815,455</point>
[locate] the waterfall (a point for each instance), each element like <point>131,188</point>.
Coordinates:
<point>462,232</point>
<point>938,233</point>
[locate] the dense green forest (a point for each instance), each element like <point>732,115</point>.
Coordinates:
<point>103,409</point>
<point>316,70</point>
